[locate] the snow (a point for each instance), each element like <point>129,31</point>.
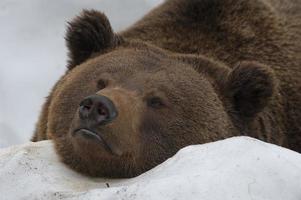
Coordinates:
<point>236,168</point>
<point>33,54</point>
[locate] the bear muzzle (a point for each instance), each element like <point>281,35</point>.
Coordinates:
<point>107,123</point>
<point>96,110</point>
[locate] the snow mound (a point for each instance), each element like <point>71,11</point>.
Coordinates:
<point>236,168</point>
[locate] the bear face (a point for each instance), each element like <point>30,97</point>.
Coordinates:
<point>159,111</point>
<point>125,106</point>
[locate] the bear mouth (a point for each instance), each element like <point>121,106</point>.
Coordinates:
<point>92,135</point>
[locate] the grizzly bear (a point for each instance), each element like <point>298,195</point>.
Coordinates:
<point>189,72</point>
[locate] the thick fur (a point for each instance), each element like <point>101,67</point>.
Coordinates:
<point>219,68</point>
<point>90,33</point>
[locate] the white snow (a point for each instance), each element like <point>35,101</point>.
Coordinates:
<point>238,168</point>
<point>33,53</point>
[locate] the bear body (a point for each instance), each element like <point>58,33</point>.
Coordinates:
<point>189,72</point>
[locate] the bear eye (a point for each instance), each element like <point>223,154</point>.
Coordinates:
<point>101,84</point>
<point>155,102</point>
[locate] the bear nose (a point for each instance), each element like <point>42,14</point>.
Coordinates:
<point>97,109</point>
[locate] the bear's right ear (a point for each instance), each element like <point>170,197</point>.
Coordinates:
<point>87,34</point>
<point>250,86</point>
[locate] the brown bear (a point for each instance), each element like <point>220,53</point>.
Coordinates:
<point>189,72</point>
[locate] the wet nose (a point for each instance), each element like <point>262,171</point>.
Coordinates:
<point>97,109</point>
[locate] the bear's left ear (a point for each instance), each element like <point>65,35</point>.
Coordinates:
<point>87,34</point>
<point>249,86</point>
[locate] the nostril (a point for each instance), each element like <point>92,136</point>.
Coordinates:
<point>85,108</point>
<point>84,111</point>
<point>87,103</point>
<point>102,110</point>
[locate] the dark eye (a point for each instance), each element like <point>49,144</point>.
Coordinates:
<point>101,84</point>
<point>155,102</point>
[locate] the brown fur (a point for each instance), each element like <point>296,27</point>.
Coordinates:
<point>189,72</point>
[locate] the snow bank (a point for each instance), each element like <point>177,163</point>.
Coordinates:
<point>239,168</point>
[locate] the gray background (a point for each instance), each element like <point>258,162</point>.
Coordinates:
<point>33,54</point>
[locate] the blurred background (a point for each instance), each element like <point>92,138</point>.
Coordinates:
<point>33,54</point>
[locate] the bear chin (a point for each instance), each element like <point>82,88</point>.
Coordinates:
<point>84,154</point>
<point>87,137</point>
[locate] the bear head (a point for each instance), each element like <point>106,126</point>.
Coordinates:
<point>125,106</point>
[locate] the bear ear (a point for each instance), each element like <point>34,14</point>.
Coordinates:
<point>249,86</point>
<point>89,33</point>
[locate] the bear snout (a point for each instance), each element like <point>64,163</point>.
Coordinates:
<point>97,110</point>
<point>106,122</point>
